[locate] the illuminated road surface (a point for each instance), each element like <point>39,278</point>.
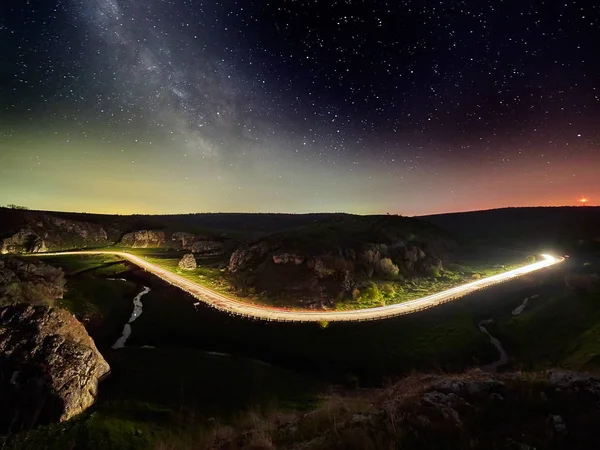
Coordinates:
<point>226,304</point>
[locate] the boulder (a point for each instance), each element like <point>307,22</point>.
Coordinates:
<point>49,366</point>
<point>188,262</point>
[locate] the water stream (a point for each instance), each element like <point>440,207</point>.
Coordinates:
<point>493,367</point>
<point>519,309</point>
<point>137,312</point>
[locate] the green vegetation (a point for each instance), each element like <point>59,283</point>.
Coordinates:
<point>373,292</point>
<point>560,327</point>
<point>73,264</point>
<point>101,304</point>
<point>153,394</point>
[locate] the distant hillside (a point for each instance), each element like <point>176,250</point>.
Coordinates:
<point>24,230</point>
<point>565,228</point>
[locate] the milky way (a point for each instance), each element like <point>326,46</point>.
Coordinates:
<point>366,107</point>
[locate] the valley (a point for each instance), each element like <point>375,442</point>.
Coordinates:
<point>189,369</point>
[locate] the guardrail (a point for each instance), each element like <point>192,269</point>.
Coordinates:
<point>354,319</point>
<point>235,307</point>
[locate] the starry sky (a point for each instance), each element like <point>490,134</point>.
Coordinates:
<point>408,107</point>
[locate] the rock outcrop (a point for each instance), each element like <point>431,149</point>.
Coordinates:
<point>179,240</point>
<point>49,366</point>
<point>248,258</point>
<point>464,411</point>
<point>188,262</point>
<point>144,239</point>
<point>197,244</point>
<point>316,276</point>
<point>207,247</point>
<point>49,233</point>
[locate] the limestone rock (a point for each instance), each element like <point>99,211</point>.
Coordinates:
<point>182,239</point>
<point>49,366</point>
<point>247,257</point>
<point>206,247</point>
<point>144,239</point>
<point>287,258</point>
<point>19,242</point>
<point>43,232</point>
<point>188,262</point>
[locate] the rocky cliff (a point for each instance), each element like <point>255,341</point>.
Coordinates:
<point>144,239</point>
<point>39,232</point>
<point>178,240</point>
<point>49,366</point>
<point>322,263</point>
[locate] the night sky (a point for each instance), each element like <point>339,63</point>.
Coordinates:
<point>409,107</point>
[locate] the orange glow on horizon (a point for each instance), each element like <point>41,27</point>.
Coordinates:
<point>583,201</point>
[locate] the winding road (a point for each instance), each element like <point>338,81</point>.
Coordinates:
<point>229,305</point>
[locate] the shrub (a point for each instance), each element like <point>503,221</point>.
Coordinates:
<point>387,268</point>
<point>370,295</point>
<point>388,291</point>
<point>435,272</point>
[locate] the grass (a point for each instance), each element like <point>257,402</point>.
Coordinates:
<point>155,393</point>
<point>445,337</point>
<point>102,305</point>
<point>561,327</point>
<point>209,273</point>
<point>178,390</point>
<point>391,292</point>
<point>73,264</point>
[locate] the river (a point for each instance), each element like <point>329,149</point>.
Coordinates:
<point>137,312</point>
<point>503,359</point>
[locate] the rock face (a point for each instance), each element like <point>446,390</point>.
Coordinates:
<point>248,257</point>
<point>179,240</point>
<point>49,365</point>
<point>188,262</point>
<point>144,239</point>
<point>316,276</point>
<point>48,233</point>
<point>372,258</point>
<point>206,247</point>
<point>197,244</point>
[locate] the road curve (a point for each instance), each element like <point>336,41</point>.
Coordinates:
<point>229,305</point>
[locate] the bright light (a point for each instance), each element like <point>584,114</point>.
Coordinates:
<point>583,201</point>
<point>549,258</point>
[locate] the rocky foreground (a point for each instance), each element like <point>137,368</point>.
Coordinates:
<point>49,365</point>
<point>521,411</point>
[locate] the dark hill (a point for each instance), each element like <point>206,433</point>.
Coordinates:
<point>564,228</point>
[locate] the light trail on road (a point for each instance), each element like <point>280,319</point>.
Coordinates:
<point>236,307</point>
